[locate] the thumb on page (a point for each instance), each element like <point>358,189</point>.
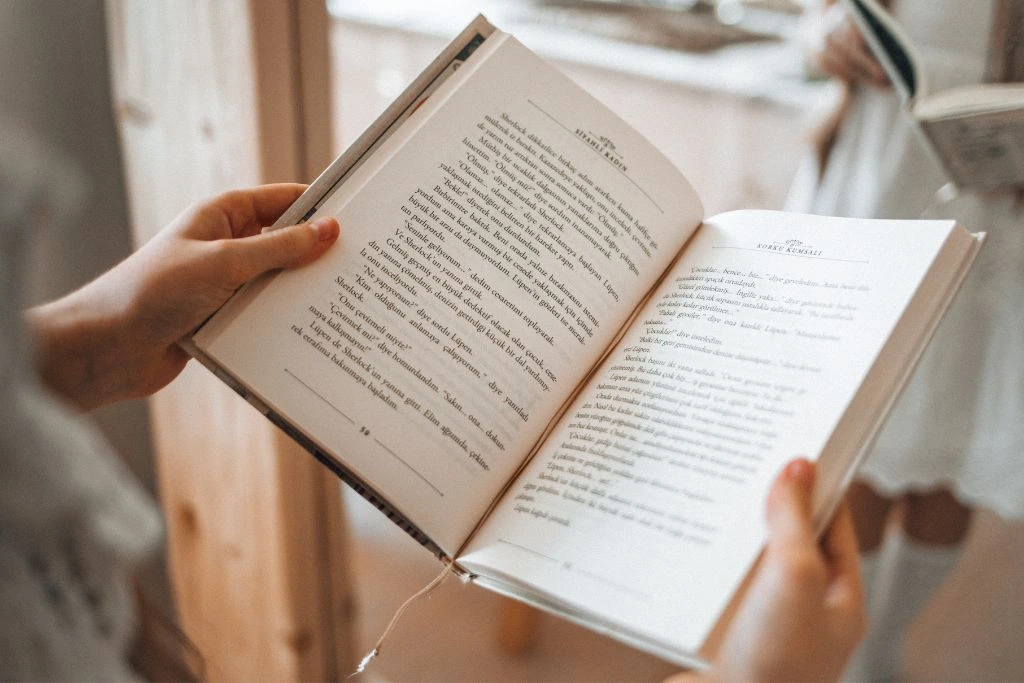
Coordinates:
<point>295,245</point>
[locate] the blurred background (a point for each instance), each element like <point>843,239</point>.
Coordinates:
<point>720,87</point>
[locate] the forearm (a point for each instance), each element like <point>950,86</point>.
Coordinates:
<point>76,342</point>
<point>691,677</point>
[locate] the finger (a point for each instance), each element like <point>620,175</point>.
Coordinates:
<point>839,58</point>
<point>865,56</point>
<point>840,545</point>
<point>857,55</point>
<point>837,67</point>
<point>248,211</point>
<point>789,506</point>
<point>869,68</point>
<point>288,247</point>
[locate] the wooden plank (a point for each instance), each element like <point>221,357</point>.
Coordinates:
<point>207,98</point>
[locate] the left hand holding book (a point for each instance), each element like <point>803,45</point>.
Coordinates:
<point>116,338</point>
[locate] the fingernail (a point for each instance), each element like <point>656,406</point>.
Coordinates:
<point>324,228</point>
<point>801,470</point>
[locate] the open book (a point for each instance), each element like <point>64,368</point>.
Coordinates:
<point>533,352</point>
<point>976,132</point>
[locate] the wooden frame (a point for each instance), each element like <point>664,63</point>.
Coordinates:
<point>210,96</point>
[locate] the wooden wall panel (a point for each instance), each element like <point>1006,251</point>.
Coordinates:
<point>211,96</point>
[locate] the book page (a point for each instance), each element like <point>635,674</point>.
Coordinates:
<point>490,251</point>
<point>983,151</point>
<point>644,508</point>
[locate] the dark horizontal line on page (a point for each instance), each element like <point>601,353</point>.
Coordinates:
<point>567,130</point>
<point>529,550</point>
<point>411,468</point>
<point>613,584</point>
<point>318,395</point>
<point>782,253</point>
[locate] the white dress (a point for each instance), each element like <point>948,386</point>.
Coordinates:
<point>960,422</point>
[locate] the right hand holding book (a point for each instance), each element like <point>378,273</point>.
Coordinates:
<point>838,49</point>
<point>804,613</point>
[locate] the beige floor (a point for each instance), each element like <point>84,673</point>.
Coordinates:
<point>973,630</point>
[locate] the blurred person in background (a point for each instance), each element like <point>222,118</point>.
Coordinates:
<point>955,439</point>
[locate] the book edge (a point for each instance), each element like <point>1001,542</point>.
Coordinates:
<point>550,605</point>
